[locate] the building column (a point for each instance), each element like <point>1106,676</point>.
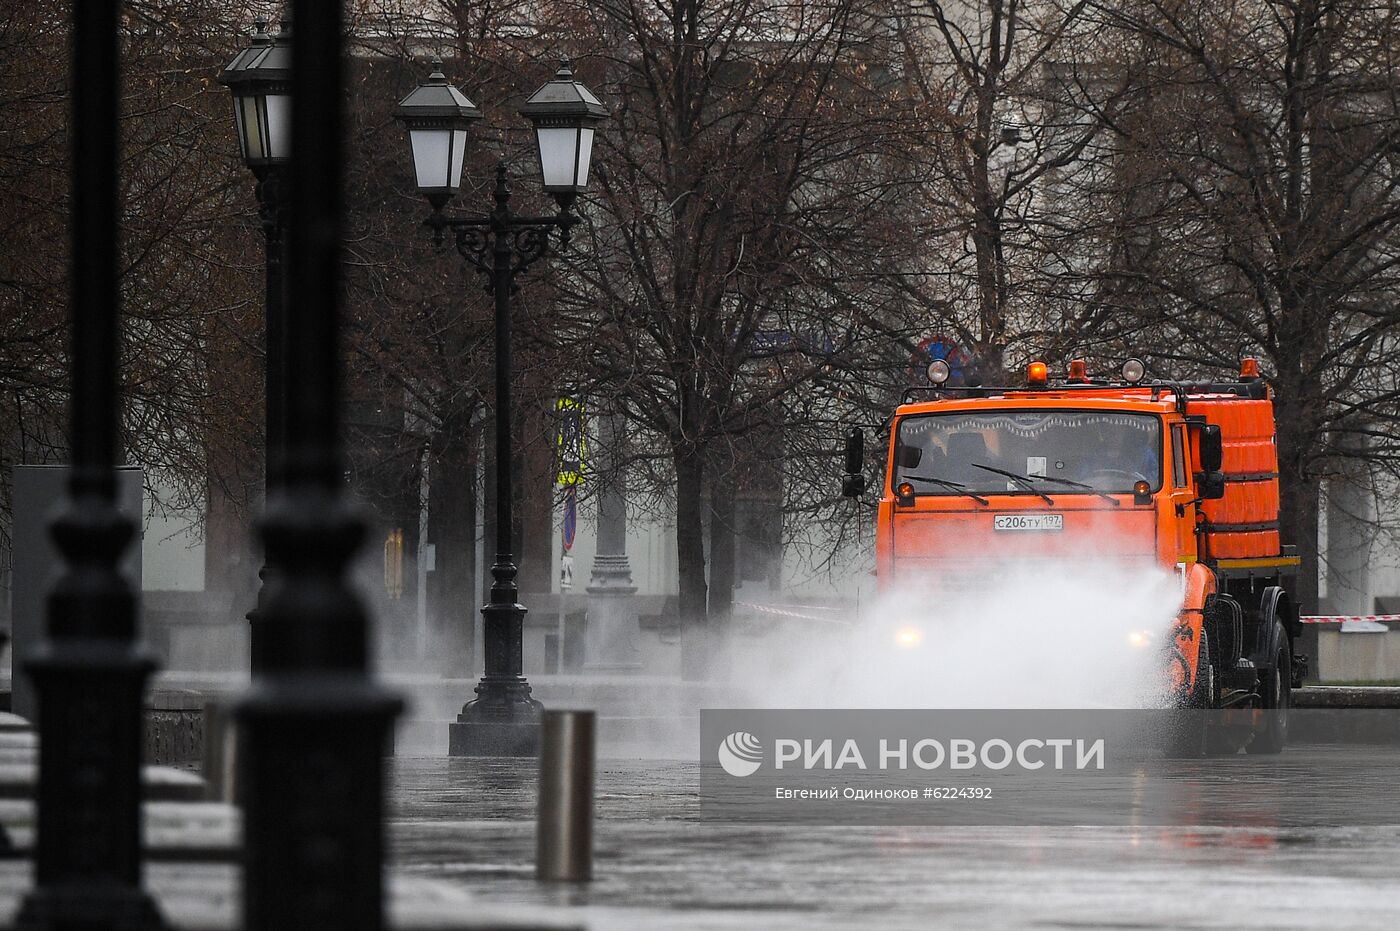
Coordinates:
<point>612,634</point>
<point>1350,529</point>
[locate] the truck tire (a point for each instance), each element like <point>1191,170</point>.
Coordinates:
<point>1278,698</point>
<point>1219,741</point>
<point>1186,739</point>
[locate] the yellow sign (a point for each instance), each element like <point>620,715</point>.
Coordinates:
<point>571,443</point>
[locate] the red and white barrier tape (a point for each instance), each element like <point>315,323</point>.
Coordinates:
<point>1336,618</point>
<point>787,612</point>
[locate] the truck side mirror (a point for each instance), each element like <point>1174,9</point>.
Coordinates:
<point>1212,449</point>
<point>1211,485</point>
<point>855,452</point>
<point>852,486</point>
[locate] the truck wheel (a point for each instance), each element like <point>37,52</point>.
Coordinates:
<point>1219,741</point>
<point>1187,737</point>
<point>1278,697</point>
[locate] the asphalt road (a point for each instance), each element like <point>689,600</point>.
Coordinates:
<point>658,866</point>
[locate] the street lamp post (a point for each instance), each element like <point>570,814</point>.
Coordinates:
<point>260,78</point>
<point>503,720</point>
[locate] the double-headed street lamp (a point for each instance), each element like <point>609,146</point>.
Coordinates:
<point>260,77</point>
<point>503,720</point>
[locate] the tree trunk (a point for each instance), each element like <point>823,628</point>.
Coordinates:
<point>452,593</point>
<point>722,551</point>
<point>1298,492</point>
<point>986,223</point>
<point>991,352</point>
<point>690,528</point>
<point>1298,524</point>
<point>723,537</point>
<point>1299,403</point>
<point>534,497</point>
<point>690,559</point>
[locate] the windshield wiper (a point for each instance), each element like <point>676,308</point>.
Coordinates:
<point>1022,480</point>
<point>947,483</point>
<point>1073,484</point>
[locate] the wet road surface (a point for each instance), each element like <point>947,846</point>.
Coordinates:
<point>657,866</point>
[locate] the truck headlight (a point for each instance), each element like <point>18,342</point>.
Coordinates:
<point>1140,638</point>
<point>906,638</point>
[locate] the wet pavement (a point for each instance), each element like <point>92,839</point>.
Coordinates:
<point>470,822</point>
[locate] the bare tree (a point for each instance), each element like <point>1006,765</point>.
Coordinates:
<point>1265,141</point>
<point>189,270</point>
<point>752,190</point>
<point>1003,255</point>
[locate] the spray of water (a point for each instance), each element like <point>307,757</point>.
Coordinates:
<point>1084,633</point>
<point>1049,636</point>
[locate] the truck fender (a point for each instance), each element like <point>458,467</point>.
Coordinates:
<point>1198,585</point>
<point>1275,608</point>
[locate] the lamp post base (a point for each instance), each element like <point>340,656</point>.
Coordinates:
<point>503,721</point>
<point>481,737</point>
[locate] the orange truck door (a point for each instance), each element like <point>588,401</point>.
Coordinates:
<point>1181,496</point>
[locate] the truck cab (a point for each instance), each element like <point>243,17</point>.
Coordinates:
<point>1137,472</point>
<point>1056,475</point>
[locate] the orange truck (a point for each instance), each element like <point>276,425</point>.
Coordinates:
<point>1181,475</point>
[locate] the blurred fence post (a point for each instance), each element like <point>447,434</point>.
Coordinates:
<point>88,672</point>
<point>313,726</point>
<point>220,762</point>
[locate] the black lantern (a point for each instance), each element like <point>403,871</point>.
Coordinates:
<point>503,720</point>
<point>260,78</point>
<point>437,115</point>
<point>564,112</point>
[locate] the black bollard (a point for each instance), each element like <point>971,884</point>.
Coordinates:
<point>564,825</point>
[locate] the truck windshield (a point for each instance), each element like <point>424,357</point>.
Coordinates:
<point>1060,451</point>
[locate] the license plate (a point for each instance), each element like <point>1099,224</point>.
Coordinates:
<point>1028,522</point>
